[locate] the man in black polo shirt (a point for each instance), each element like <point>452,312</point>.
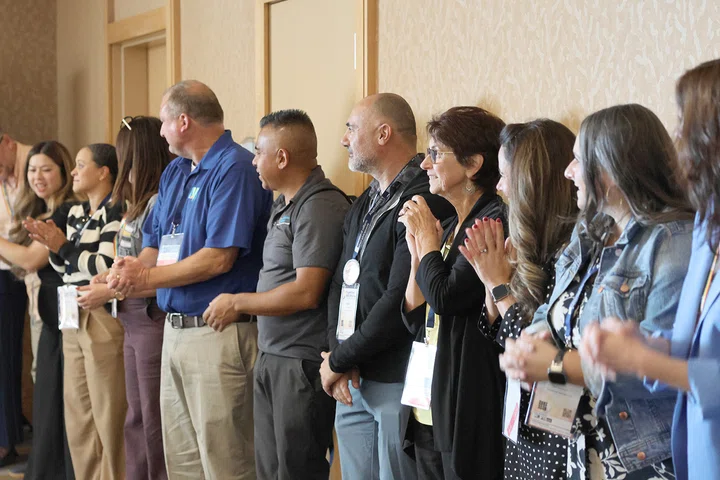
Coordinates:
<point>293,416</point>
<point>366,332</point>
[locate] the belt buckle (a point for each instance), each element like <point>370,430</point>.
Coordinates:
<point>176,320</point>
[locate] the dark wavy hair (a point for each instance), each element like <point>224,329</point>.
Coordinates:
<point>698,142</point>
<point>542,202</point>
<point>469,131</point>
<point>630,145</point>
<point>143,155</point>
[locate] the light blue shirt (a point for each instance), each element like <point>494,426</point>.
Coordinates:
<point>696,423</point>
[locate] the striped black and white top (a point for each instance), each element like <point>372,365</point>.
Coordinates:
<point>90,248</point>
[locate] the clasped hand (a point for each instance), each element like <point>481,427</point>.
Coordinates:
<point>528,358</point>
<point>423,232</point>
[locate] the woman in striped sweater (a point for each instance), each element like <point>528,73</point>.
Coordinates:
<point>80,238</point>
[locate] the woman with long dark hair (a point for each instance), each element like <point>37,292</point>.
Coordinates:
<point>627,258</point>
<point>47,186</point>
<point>688,359</point>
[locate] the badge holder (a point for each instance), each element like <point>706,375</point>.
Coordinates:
<point>553,408</point>
<point>169,251</point>
<point>349,296</point>
<point>418,379</point>
<point>68,310</point>
<point>511,412</point>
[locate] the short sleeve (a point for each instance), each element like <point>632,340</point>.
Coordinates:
<point>318,231</point>
<point>238,206</point>
<point>151,227</point>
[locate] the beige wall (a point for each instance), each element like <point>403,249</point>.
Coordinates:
<point>129,8</point>
<point>530,58</point>
<point>217,48</point>
<point>81,72</point>
<point>28,85</point>
<point>521,59</point>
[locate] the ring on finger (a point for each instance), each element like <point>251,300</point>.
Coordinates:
<point>484,250</point>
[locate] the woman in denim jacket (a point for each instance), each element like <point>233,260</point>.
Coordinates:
<point>626,258</point>
<point>693,364</point>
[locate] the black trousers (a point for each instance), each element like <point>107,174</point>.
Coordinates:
<point>431,464</point>
<point>13,301</point>
<point>294,419</point>
<point>49,456</point>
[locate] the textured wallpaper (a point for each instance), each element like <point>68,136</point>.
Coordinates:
<point>557,58</point>
<point>520,58</point>
<point>28,84</point>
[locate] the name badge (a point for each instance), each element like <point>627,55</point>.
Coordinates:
<point>349,296</point>
<point>511,412</point>
<point>169,249</point>
<point>418,379</point>
<point>553,407</point>
<point>68,310</point>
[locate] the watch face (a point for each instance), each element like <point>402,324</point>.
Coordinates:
<point>500,292</point>
<point>557,377</point>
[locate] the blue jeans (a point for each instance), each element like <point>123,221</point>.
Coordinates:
<point>371,432</point>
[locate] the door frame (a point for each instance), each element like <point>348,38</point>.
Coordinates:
<point>142,28</point>
<point>366,59</point>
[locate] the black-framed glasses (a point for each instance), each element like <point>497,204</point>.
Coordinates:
<point>433,154</point>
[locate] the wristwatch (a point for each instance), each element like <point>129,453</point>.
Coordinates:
<point>500,292</point>
<point>556,372</point>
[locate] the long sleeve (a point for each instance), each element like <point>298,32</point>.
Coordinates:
<point>382,326</point>
<point>450,291</point>
<point>95,257</point>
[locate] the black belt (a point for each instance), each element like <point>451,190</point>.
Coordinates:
<point>178,320</point>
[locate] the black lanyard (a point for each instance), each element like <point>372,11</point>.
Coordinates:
<point>79,233</point>
<point>381,204</point>
<point>374,213</point>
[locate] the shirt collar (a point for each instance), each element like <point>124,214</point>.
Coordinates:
<point>401,179</point>
<point>212,156</point>
<point>316,176</point>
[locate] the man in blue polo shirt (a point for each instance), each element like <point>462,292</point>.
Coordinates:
<point>203,238</point>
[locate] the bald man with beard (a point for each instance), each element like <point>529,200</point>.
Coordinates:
<point>366,332</point>
<point>293,415</point>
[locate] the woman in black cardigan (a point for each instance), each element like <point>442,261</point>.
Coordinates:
<point>460,436</point>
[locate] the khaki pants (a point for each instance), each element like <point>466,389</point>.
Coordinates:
<point>206,397</point>
<point>94,395</point>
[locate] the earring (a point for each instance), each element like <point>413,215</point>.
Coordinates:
<point>470,187</point>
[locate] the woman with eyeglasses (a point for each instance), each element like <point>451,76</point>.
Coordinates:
<point>688,358</point>
<point>48,185</point>
<point>142,155</point>
<point>459,435</point>
<point>627,257</point>
<point>80,238</point>
<point>520,275</point>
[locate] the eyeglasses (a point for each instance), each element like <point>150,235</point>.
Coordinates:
<point>432,153</point>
